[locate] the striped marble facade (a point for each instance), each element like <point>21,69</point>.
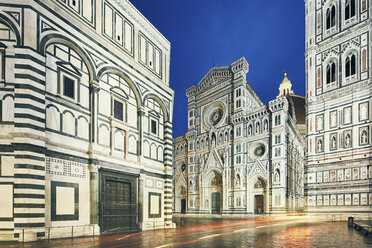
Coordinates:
<point>85,105</point>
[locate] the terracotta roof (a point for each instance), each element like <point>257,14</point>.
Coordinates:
<point>298,105</point>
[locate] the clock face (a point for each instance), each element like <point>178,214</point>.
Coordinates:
<point>216,116</point>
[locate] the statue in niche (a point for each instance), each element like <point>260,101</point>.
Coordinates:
<point>320,145</point>
<point>250,129</point>
<point>257,128</point>
<point>347,140</point>
<point>237,184</point>
<point>277,176</point>
<point>265,125</point>
<point>333,142</point>
<point>364,137</point>
<point>213,140</point>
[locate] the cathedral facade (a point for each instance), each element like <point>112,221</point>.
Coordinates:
<point>85,120</point>
<point>239,155</point>
<point>338,171</point>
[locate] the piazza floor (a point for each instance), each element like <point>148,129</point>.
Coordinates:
<point>267,232</point>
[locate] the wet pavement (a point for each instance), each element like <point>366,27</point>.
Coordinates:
<point>269,232</point>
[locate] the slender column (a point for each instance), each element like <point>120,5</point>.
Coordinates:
<point>140,200</point>
<point>93,90</point>
<point>93,169</point>
<point>140,115</point>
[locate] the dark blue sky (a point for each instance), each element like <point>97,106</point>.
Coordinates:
<point>270,34</point>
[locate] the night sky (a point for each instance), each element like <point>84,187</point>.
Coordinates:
<point>269,34</point>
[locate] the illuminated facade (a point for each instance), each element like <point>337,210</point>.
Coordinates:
<point>239,156</point>
<point>338,171</point>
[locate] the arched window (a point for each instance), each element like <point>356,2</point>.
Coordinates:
<point>349,9</point>
<point>331,17</point>
<point>331,72</point>
<point>350,65</point>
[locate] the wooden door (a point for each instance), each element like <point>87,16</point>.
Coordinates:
<point>259,204</point>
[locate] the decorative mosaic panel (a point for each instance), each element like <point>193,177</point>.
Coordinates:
<point>355,199</point>
<point>347,199</point>
<point>363,199</point>
<point>355,173</point>
<point>326,200</point>
<point>363,173</point>
<point>347,174</point>
<point>159,184</point>
<point>326,176</point>
<point>333,200</point>
<point>65,168</point>
<point>319,200</point>
<point>340,200</point>
<point>333,176</point>
<point>149,183</point>
<point>340,175</point>
<point>319,177</point>
<point>311,201</point>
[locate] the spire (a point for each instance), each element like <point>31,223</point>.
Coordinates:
<point>285,87</point>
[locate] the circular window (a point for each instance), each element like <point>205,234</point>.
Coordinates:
<point>258,150</point>
<point>216,116</point>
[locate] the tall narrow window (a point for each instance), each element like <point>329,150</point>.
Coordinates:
<point>328,25</point>
<point>350,66</point>
<point>68,87</point>
<point>118,110</point>
<point>347,67</point>
<point>331,17</point>
<point>331,72</point>
<point>353,65</point>
<point>153,127</point>
<point>349,9</point>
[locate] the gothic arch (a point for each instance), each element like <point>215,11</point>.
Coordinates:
<point>60,39</point>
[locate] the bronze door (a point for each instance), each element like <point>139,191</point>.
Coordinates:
<point>216,202</point>
<point>259,204</point>
<point>183,206</point>
<point>118,208</point>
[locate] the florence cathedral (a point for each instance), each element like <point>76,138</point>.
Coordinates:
<point>239,156</point>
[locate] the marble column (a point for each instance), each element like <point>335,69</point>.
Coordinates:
<point>94,181</point>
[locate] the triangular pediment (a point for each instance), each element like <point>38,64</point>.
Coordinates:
<point>215,76</point>
<point>257,169</point>
<point>213,161</point>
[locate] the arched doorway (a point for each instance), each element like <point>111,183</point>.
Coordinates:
<point>216,197</point>
<point>259,197</point>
